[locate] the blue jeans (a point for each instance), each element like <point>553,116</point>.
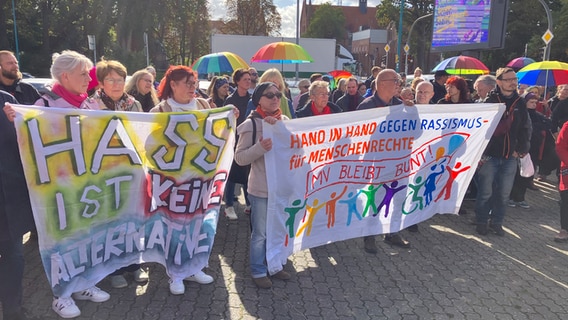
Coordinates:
<point>258,214</point>
<point>230,193</point>
<point>494,182</point>
<point>11,275</point>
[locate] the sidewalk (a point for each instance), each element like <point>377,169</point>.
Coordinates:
<point>449,273</point>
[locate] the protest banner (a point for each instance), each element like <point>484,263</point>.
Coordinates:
<point>347,175</point>
<point>109,189</point>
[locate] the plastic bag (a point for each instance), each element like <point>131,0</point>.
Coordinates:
<point>526,166</point>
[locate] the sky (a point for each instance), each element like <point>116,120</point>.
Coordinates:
<point>287,10</point>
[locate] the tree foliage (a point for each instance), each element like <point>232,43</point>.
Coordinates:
<point>178,30</point>
<point>327,22</point>
<point>389,11</point>
<point>252,18</point>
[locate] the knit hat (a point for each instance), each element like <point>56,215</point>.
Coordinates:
<point>94,82</point>
<point>530,96</point>
<point>259,90</point>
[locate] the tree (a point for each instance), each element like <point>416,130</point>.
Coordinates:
<point>252,17</point>
<point>327,22</point>
<point>389,11</point>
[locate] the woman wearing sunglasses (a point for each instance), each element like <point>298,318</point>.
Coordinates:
<point>251,148</point>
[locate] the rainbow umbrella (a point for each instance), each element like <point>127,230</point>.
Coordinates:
<point>221,62</point>
<point>462,65</point>
<point>519,63</point>
<point>282,52</point>
<point>544,73</point>
<point>339,74</point>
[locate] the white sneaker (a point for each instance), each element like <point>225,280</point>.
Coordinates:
<point>93,294</point>
<point>141,275</point>
<point>230,213</point>
<point>65,307</point>
<point>177,287</point>
<point>200,277</point>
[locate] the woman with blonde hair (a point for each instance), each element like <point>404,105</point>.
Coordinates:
<point>274,76</point>
<point>141,87</point>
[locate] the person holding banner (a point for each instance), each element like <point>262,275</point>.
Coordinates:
<point>251,148</point>
<point>387,86</point>
<point>498,164</point>
<point>70,72</point>
<point>111,74</point>
<point>16,218</point>
<point>177,92</point>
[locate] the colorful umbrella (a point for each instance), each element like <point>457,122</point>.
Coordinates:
<point>544,73</point>
<point>519,63</point>
<point>282,52</point>
<point>462,65</point>
<point>221,62</point>
<point>338,74</point>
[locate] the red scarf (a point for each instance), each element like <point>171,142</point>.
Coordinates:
<point>73,99</point>
<point>325,110</point>
<point>277,114</point>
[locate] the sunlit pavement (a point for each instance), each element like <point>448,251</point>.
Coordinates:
<point>450,272</point>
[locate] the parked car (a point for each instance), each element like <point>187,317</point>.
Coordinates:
<point>39,83</point>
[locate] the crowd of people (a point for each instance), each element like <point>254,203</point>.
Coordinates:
<point>529,127</point>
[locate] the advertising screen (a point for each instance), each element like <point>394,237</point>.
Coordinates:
<point>468,24</point>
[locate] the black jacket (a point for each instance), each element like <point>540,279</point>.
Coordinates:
<point>514,129</point>
<point>16,216</point>
<point>25,93</point>
<point>306,111</point>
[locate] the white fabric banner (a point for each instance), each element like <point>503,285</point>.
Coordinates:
<point>348,175</point>
<point>109,189</point>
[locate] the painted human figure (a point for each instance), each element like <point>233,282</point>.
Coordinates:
<point>430,182</point>
<point>415,194</point>
<point>311,212</point>
<point>370,193</point>
<point>330,207</point>
<point>389,195</point>
<point>447,189</point>
<point>352,206</point>
<point>292,212</point>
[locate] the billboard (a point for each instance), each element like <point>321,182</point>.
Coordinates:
<point>469,24</point>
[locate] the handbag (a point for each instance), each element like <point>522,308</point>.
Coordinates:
<point>526,166</point>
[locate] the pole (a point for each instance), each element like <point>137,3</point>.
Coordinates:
<point>410,32</point>
<point>399,41</point>
<point>547,50</point>
<point>146,47</point>
<point>297,34</point>
<point>16,32</point>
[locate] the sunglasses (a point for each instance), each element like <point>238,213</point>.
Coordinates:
<point>271,95</point>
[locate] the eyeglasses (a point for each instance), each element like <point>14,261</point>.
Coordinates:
<point>509,80</point>
<point>190,84</point>
<point>322,94</point>
<point>254,74</point>
<point>306,87</point>
<point>114,81</point>
<point>271,95</point>
<point>148,80</point>
<point>424,92</point>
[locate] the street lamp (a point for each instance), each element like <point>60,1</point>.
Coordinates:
<point>399,42</point>
<point>410,33</point>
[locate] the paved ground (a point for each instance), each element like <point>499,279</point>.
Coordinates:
<point>449,273</point>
